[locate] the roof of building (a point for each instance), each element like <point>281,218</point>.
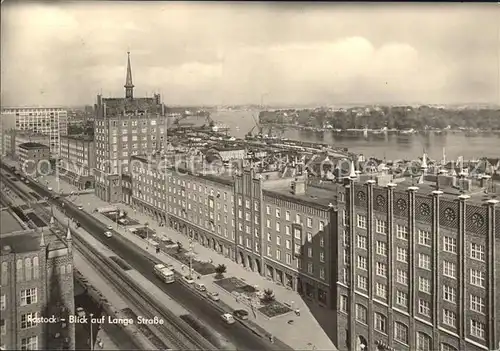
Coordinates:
<point>21,240</point>
<point>313,196</point>
<point>117,106</point>
<point>33,146</point>
<point>83,137</point>
<point>9,222</point>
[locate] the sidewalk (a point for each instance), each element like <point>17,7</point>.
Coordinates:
<point>304,334</point>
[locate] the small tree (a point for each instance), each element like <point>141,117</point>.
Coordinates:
<point>268,296</point>
<point>179,247</point>
<point>220,270</point>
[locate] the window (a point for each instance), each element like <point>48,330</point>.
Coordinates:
<point>401,332</point>
<point>362,262</point>
<point>309,222</point>
<point>424,261</point>
<point>269,251</point>
<point>309,252</point>
<point>2,303</point>
<point>424,238</point>
<point>298,220</point>
<point>402,277</point>
<point>268,209</point>
<point>322,273</point>
<point>424,307</point>
<point>362,242</point>
<point>450,244</point>
<point>343,304</point>
<point>380,227</point>
<point>361,221</point>
<point>424,285</point>
<point>449,269</point>
<point>321,226</point>
<point>423,342</point>
<point>278,227</point>
<point>287,215</point>
<point>477,278</point>
<point>287,230</point>
<point>380,322</point>
<point>28,320</point>
<point>476,304</point>
<point>288,258</point>
<point>278,213</point>
<point>402,232</point>
<point>322,257</point>
<point>309,237</point>
<point>446,347</point>
<point>381,290</point>
<point>362,282</point>
<point>361,313</point>
<point>278,255</point>
<point>477,252</point>
<point>310,268</point>
<point>381,248</point>
<point>477,329</point>
<point>449,318</point>
<point>381,269</point>
<point>30,343</point>
<point>28,296</point>
<point>449,293</point>
<point>401,298</point>
<point>402,255</point>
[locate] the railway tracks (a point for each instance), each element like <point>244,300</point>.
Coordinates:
<point>177,333</point>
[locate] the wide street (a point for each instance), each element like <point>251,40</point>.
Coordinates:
<point>143,262</point>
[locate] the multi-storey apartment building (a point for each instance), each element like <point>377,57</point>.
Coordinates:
<point>36,281</point>
<point>50,121</point>
<point>124,127</point>
<point>34,159</point>
<point>77,160</point>
<point>418,267</point>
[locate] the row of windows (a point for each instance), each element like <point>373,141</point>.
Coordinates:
<point>477,329</point>
<point>476,251</point>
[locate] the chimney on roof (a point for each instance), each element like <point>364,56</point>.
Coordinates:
<point>299,185</point>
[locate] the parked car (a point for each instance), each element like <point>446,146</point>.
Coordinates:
<point>80,312</point>
<point>228,318</point>
<point>213,296</point>
<point>108,234</point>
<point>80,207</point>
<point>49,188</point>
<point>188,279</point>
<point>200,287</point>
<point>241,314</point>
<point>110,227</point>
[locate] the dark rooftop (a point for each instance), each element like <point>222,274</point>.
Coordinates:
<point>314,197</point>
<point>33,146</point>
<point>83,137</point>
<point>28,241</point>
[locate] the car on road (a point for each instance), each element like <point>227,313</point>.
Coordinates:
<point>228,318</point>
<point>108,234</point>
<point>22,178</point>
<point>200,287</point>
<point>49,188</point>
<point>80,312</point>
<point>213,296</point>
<point>80,207</point>
<point>110,227</point>
<point>188,279</point>
<point>241,314</point>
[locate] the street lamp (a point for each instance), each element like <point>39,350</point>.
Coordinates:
<point>191,251</point>
<point>147,234</point>
<point>91,333</point>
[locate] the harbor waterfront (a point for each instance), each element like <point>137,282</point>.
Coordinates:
<point>392,146</point>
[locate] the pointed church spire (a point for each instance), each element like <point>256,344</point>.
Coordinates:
<point>129,86</point>
<point>42,240</point>
<point>68,234</point>
<point>352,171</point>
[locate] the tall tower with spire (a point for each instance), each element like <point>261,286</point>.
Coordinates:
<point>129,86</point>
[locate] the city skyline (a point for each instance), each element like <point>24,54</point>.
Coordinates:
<point>227,54</point>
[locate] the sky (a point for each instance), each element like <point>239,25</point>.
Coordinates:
<point>65,53</point>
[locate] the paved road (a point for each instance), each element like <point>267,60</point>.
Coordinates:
<point>239,335</point>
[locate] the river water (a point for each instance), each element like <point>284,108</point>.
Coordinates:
<point>392,147</point>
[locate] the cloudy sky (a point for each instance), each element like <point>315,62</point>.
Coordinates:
<point>231,53</point>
